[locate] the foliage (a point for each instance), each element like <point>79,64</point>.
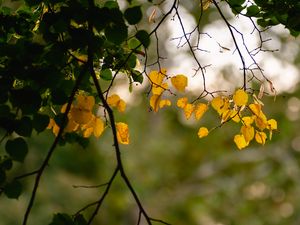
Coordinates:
<point>59,62</point>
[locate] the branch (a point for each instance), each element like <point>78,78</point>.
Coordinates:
<point>40,171</point>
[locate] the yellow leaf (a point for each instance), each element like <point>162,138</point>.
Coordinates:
<point>255,108</point>
<point>164,102</point>
<point>203,132</point>
<point>85,102</point>
<point>226,115</point>
<point>220,104</point>
<point>179,82</point>
<point>240,97</point>
<point>154,102</point>
<point>159,89</point>
<point>98,127</point>
<point>113,100</point>
<point>204,4</point>
<point>88,132</point>
<point>235,116</point>
<point>71,126</point>
<point>260,137</point>
<point>121,106</point>
<point>272,124</point>
<point>248,133</point>
<point>80,115</point>
<point>188,110</point>
<point>122,133</point>
<point>240,141</point>
<point>248,120</point>
<point>52,125</point>
<point>181,102</point>
<point>200,109</point>
<point>261,121</point>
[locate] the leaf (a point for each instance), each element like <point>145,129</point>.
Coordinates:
<point>40,122</point>
<point>179,82</point>
<point>260,137</point>
<point>61,219</point>
<point>106,74</point>
<point>24,126</point>
<point>133,15</point>
<point>220,104</point>
<point>122,133</point>
<point>116,33</point>
<point>203,132</point>
<point>143,37</point>
<point>253,10</point>
<point>13,189</point>
<point>156,102</point>
<point>137,76</point>
<point>200,109</point>
<point>248,133</point>
<point>181,102</point>
<point>98,127</point>
<point>188,110</point>
<point>17,149</point>
<point>272,124</point>
<point>240,141</point>
<point>240,97</point>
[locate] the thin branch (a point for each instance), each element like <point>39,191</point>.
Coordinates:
<point>53,147</point>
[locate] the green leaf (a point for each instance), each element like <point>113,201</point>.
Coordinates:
<point>17,149</point>
<point>111,4</point>
<point>132,61</point>
<point>106,74</point>
<point>61,219</point>
<point>133,43</point>
<point>133,15</point>
<point>6,164</point>
<point>13,189</point>
<point>24,126</point>
<point>143,37</point>
<point>137,76</point>
<point>252,10</point>
<point>116,33</point>
<point>40,122</point>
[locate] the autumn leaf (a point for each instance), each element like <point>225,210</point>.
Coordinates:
<point>260,137</point>
<point>156,102</point>
<point>115,101</point>
<point>220,104</point>
<point>203,132</point>
<point>122,133</point>
<point>248,133</point>
<point>181,102</point>
<point>272,124</point>
<point>188,110</point>
<point>240,141</point>
<point>200,109</point>
<point>179,82</point>
<point>240,97</point>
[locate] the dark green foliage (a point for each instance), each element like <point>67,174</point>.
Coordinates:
<point>106,74</point>
<point>133,15</point>
<point>40,122</point>
<point>17,149</point>
<point>13,189</point>
<point>143,37</point>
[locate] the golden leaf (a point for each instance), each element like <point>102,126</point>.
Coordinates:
<point>272,124</point>
<point>181,102</point>
<point>260,137</point>
<point>179,82</point>
<point>113,100</point>
<point>122,133</point>
<point>200,109</point>
<point>203,132</point>
<point>248,133</point>
<point>98,127</point>
<point>240,141</point>
<point>240,97</point>
<point>220,104</point>
<point>188,110</point>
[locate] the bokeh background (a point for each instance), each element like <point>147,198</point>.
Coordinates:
<point>180,178</point>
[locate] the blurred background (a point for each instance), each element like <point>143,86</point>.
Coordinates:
<point>180,178</point>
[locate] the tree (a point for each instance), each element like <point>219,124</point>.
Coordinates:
<point>60,61</point>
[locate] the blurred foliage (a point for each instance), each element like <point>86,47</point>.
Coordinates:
<point>179,178</point>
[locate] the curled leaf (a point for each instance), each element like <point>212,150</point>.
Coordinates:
<point>122,133</point>
<point>240,141</point>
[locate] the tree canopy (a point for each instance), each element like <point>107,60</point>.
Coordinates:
<point>60,63</point>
